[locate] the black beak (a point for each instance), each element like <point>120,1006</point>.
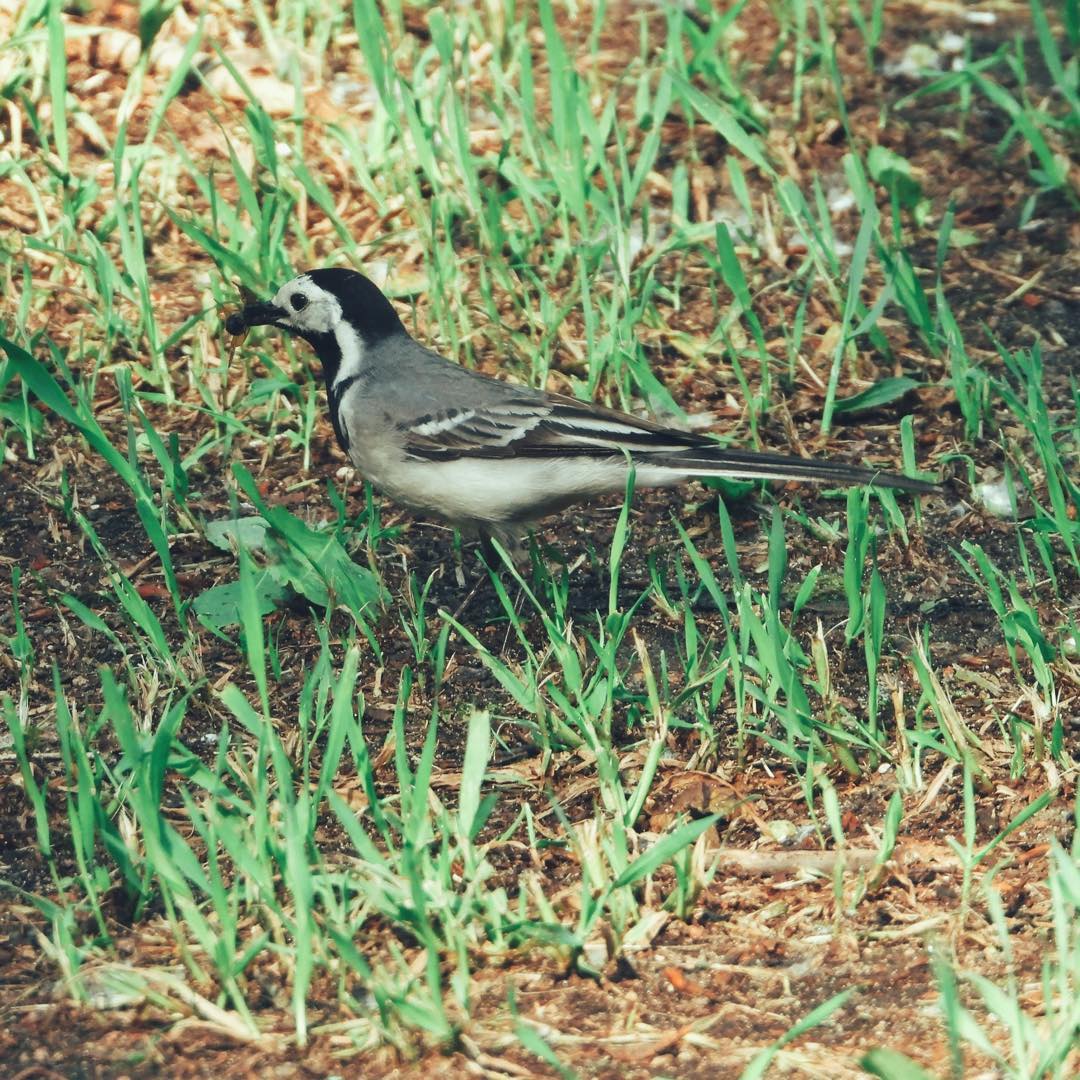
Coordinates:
<point>259,314</point>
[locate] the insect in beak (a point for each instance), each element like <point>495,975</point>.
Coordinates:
<point>234,323</point>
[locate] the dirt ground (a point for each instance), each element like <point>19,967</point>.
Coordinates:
<point>769,940</point>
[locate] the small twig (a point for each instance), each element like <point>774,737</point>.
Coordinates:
<point>825,862</point>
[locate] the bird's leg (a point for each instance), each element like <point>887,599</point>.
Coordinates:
<point>492,561</point>
<point>459,565</point>
<point>514,544</point>
<point>489,553</point>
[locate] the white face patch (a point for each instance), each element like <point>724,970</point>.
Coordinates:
<point>308,309</point>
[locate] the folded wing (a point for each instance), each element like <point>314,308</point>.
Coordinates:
<point>552,425</point>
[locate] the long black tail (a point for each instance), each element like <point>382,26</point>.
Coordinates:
<point>755,465</point>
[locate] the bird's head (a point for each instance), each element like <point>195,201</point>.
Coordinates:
<point>316,306</point>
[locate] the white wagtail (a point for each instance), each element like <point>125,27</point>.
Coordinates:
<point>488,456</point>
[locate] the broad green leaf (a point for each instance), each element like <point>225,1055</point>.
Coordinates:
<point>220,606</point>
<point>246,532</point>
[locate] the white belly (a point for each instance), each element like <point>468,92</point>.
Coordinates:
<point>503,490</point>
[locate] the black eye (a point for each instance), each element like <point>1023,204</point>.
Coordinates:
<point>299,302</point>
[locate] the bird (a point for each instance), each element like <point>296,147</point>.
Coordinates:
<point>488,456</point>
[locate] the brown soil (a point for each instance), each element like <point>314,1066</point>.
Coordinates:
<point>763,946</point>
